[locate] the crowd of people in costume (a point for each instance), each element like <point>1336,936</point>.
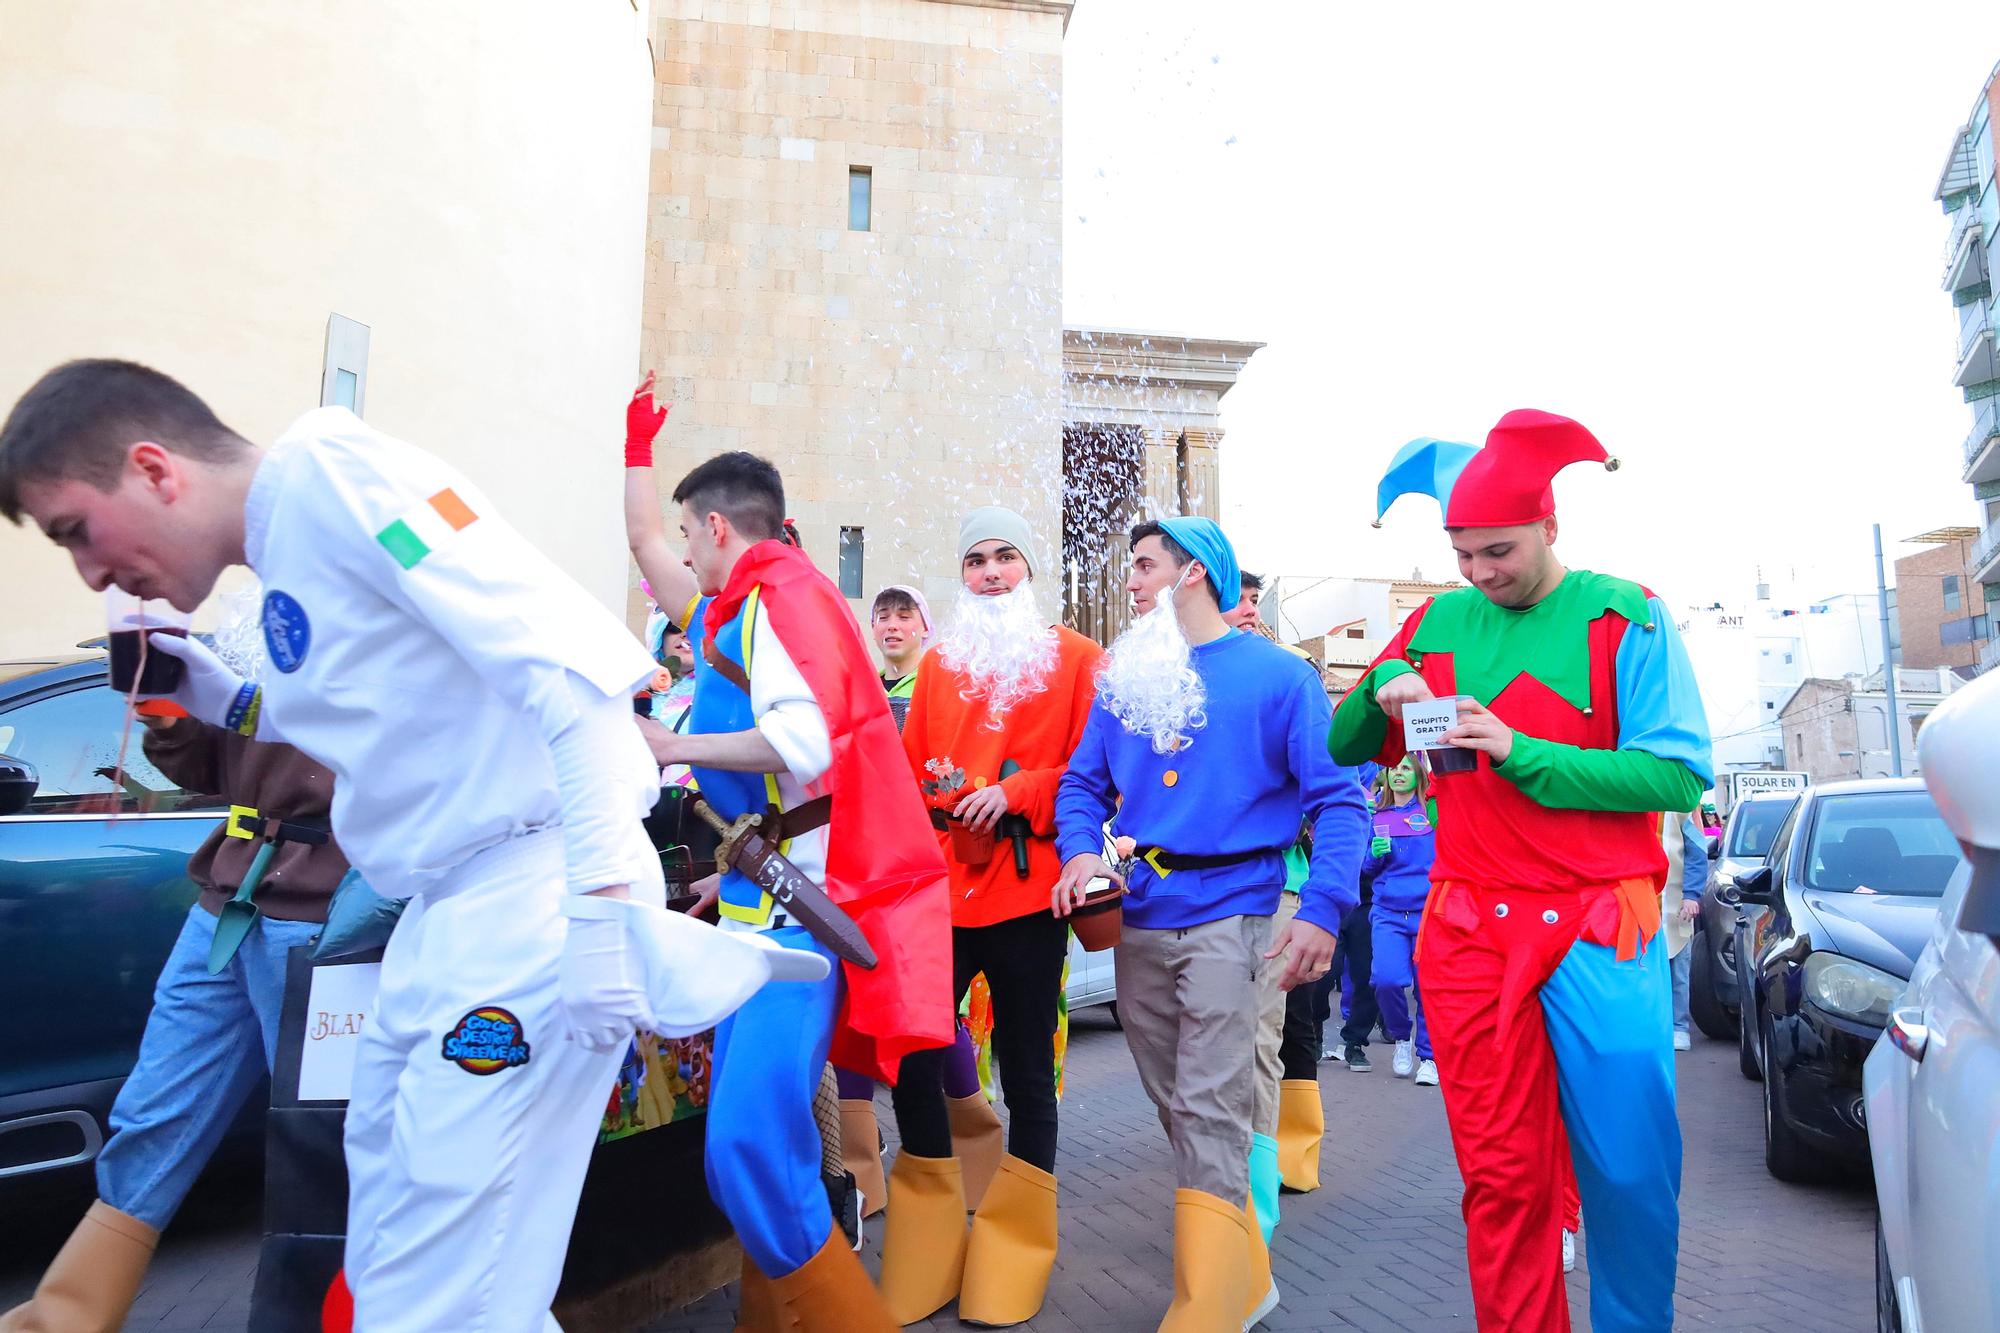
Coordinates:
<point>902,843</point>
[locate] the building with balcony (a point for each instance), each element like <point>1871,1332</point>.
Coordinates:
<point>1970,196</point>
<point>1839,728</point>
<point>1940,609</point>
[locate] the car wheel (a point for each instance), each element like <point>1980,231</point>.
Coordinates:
<point>1703,1007</point>
<point>1888,1314</point>
<point>1746,1050</point>
<point>1787,1156</point>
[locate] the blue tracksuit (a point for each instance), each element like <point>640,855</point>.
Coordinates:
<point>1402,882</point>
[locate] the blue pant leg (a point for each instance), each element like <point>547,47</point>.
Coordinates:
<point>1683,966</point>
<point>763,1141</point>
<point>201,1055</point>
<point>1608,1023</point>
<point>259,967</point>
<point>1389,968</point>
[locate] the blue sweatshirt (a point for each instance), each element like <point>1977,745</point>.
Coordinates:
<point>1402,876</point>
<point>1241,785</point>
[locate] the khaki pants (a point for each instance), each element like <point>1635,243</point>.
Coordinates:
<point>1189,1003</point>
<point>1271,1026</point>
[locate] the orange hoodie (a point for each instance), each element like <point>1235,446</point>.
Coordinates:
<point>953,752</point>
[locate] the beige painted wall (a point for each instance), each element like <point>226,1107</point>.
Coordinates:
<point>199,186</point>
<point>897,376</point>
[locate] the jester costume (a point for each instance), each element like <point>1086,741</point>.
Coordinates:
<point>1544,990</point>
<point>881,865</point>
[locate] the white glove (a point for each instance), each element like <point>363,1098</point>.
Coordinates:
<point>603,980</point>
<point>208,688</point>
<point>630,966</point>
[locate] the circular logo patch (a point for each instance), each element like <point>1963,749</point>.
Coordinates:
<point>486,1041</point>
<point>287,632</point>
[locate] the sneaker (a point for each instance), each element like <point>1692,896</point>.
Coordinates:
<point>1683,1041</point>
<point>1405,1059</point>
<point>1427,1074</point>
<point>1335,1054</point>
<point>1264,1307</point>
<point>1569,1251</point>
<point>1357,1059</point>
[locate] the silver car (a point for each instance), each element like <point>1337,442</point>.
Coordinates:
<point>1932,1082</point>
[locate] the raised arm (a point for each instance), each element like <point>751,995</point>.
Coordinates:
<point>645,530</point>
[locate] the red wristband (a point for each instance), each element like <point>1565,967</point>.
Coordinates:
<point>638,453</point>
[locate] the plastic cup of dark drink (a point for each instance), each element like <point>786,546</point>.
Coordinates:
<point>1452,758</point>
<point>128,620</point>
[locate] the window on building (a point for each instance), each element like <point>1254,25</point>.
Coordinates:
<point>1954,595</point>
<point>1788,659</point>
<point>1357,634</point>
<point>851,581</point>
<point>344,379</point>
<point>1982,626</point>
<point>860,198</point>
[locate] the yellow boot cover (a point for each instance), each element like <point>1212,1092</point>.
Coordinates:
<point>1013,1247</point>
<point>923,1244</point>
<point>831,1293</point>
<point>861,1149</point>
<point>1211,1265</point>
<point>1301,1126</point>
<point>978,1141</point>
<point>93,1280</point>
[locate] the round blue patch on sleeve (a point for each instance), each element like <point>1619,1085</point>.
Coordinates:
<point>287,632</point>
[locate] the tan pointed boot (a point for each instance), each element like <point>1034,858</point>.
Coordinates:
<point>91,1285</point>
<point>1013,1248</point>
<point>831,1293</point>
<point>923,1244</point>
<point>979,1142</point>
<point>757,1309</point>
<point>861,1148</point>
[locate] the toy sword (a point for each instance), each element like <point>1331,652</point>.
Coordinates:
<point>748,852</point>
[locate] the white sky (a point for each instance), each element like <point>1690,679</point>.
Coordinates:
<point>1709,236</point>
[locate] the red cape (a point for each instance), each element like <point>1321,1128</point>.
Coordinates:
<point>882,859</point>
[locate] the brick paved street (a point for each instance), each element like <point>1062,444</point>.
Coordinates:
<point>1380,1247</point>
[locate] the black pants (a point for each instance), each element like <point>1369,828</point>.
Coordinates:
<point>1298,1050</point>
<point>1357,953</point>
<point>1023,962</point>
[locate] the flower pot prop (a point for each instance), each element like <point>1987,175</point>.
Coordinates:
<point>1099,919</point>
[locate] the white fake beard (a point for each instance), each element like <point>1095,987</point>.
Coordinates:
<point>239,637</point>
<point>1003,644</point>
<point>1148,684</point>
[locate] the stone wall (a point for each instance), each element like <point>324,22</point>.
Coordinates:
<point>899,375</point>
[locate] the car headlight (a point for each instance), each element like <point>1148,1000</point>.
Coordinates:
<point>1849,989</point>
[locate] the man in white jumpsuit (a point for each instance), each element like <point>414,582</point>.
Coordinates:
<point>473,704</point>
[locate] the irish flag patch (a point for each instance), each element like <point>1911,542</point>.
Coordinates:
<point>423,528</point>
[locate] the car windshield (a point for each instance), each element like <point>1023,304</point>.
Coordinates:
<point>1881,842</point>
<point>1754,825</point>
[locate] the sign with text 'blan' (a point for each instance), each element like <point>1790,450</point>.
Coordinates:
<point>343,997</point>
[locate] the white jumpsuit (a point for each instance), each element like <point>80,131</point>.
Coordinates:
<point>434,660</point>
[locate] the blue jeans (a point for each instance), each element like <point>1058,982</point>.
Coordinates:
<point>1682,962</point>
<point>1391,967</point>
<point>207,1043</point>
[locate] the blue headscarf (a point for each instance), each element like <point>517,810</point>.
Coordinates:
<point>1204,539</point>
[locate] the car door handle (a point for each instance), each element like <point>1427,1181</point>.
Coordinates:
<point>1909,1034</point>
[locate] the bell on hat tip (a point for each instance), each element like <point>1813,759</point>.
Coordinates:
<point>1611,465</point>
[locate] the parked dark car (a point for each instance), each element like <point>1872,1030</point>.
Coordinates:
<point>1839,914</point>
<point>93,889</point>
<point>1746,840</point>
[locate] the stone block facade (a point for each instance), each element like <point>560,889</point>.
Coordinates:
<point>897,375</point>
